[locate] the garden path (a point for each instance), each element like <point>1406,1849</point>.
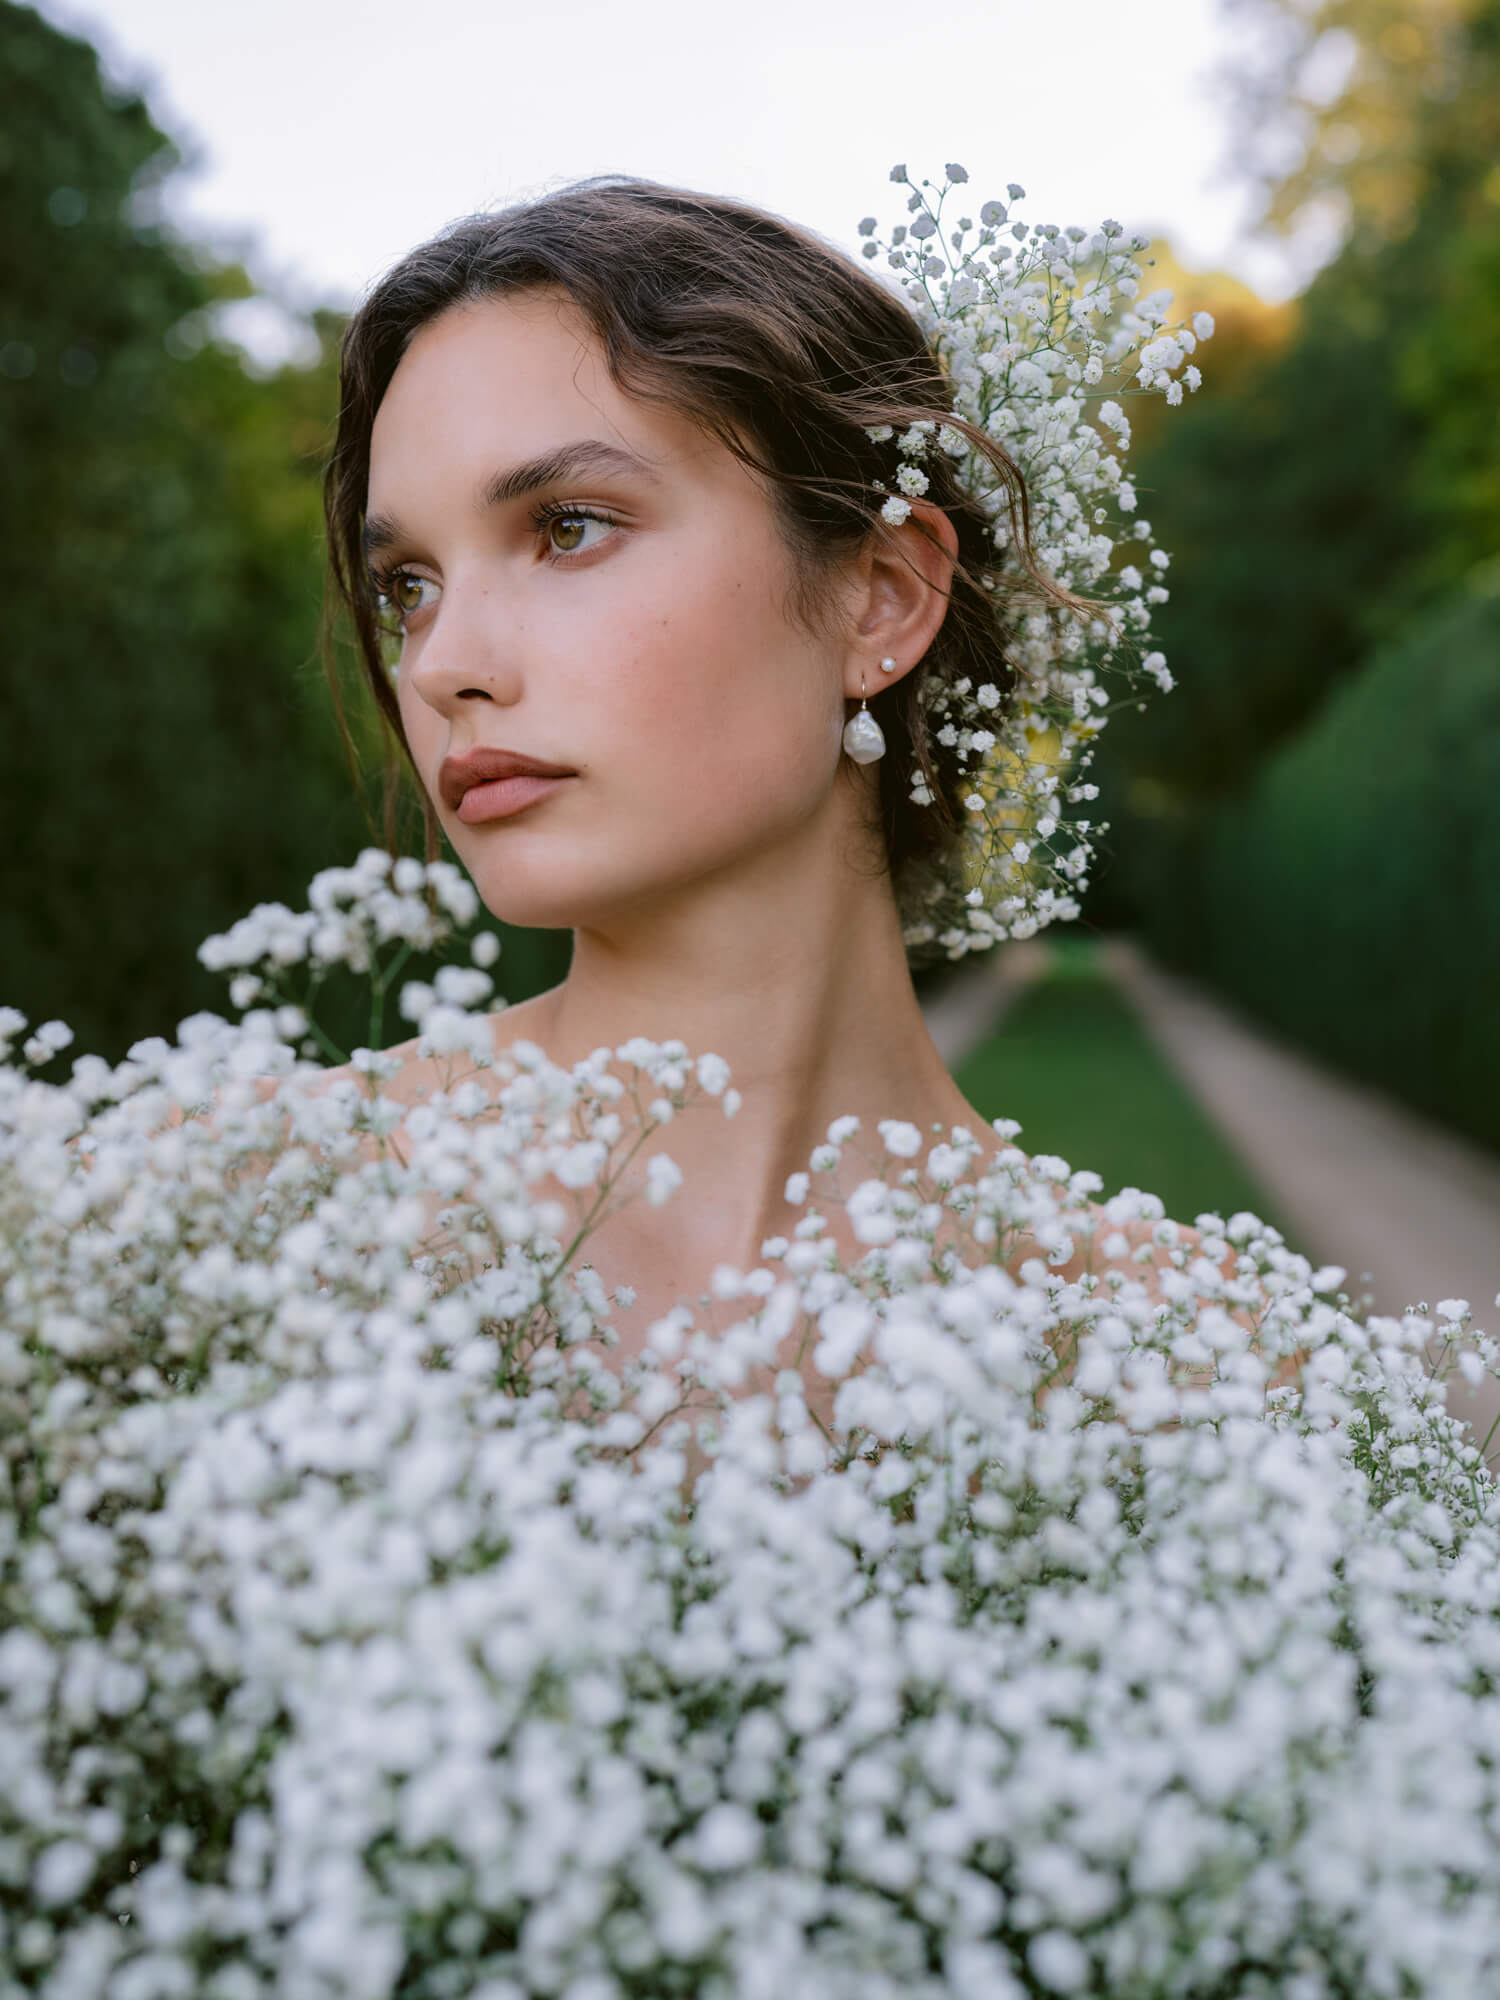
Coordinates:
<point>1408,1208</point>
<point>976,1000</point>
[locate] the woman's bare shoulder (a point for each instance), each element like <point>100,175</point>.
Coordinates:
<point>420,1072</point>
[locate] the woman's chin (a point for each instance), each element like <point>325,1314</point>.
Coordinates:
<point>541,899</point>
<point>540,911</point>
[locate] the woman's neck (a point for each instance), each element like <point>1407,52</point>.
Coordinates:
<point>801,984</point>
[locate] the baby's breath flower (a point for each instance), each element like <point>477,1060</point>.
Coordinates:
<point>1037,345</point>
<point>323,1464</point>
<point>713,1074</point>
<point>904,1140</point>
<point>663,1178</point>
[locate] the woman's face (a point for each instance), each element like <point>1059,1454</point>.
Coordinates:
<point>589,584</point>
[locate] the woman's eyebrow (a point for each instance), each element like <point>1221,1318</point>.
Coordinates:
<point>548,468</point>
<point>568,461</point>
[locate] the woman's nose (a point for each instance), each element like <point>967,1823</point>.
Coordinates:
<point>468,652</point>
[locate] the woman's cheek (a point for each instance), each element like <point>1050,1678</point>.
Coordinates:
<point>754,769</point>
<point>420,726</point>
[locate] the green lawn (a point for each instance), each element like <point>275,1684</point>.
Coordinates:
<point>1073,1063</point>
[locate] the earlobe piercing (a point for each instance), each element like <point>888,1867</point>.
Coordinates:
<point>888,664</point>
<point>864,739</point>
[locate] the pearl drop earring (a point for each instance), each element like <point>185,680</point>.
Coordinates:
<point>864,739</point>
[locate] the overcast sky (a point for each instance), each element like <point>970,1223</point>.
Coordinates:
<point>330,135</point>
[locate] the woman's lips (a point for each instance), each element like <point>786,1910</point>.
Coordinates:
<point>502,797</point>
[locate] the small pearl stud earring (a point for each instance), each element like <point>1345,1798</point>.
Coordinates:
<point>888,664</point>
<point>864,739</point>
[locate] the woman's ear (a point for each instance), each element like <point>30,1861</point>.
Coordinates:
<point>905,579</point>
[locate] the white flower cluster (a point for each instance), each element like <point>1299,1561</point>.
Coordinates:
<point>1040,330</point>
<point>370,919</point>
<point>1130,1623</point>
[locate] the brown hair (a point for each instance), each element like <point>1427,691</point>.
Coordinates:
<point>783,349</point>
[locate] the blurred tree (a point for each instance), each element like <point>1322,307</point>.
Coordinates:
<point>159,770</point>
<point>1299,820</point>
<point>1280,493</point>
<point>168,757</point>
<point>1383,119</point>
<point>1342,466</point>
<point>1336,105</point>
<point>1448,356</point>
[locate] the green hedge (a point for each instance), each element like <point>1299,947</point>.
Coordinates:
<point>1351,898</point>
<point>167,754</point>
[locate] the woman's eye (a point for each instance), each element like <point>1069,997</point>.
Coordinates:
<point>568,533</point>
<point>406,593</point>
<point>401,594</point>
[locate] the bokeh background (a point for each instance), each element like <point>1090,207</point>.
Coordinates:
<point>1305,855</point>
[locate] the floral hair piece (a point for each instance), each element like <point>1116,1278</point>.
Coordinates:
<point>1040,331</point>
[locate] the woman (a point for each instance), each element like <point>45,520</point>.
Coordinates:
<point>615,470</point>
<point>363,1642</point>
